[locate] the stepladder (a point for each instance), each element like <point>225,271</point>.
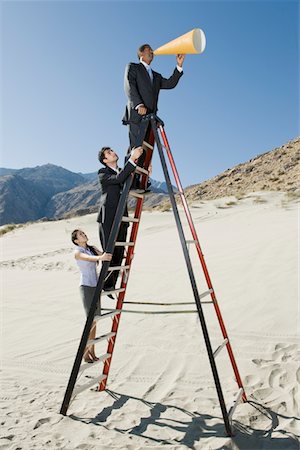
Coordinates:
<point>155,135</point>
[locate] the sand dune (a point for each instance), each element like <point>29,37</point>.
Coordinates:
<point>160,389</point>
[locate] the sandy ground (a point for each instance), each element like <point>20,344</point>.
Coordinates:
<point>160,388</point>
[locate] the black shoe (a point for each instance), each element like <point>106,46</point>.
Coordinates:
<point>109,289</point>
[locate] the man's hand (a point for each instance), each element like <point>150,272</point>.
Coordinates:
<point>142,110</point>
<point>180,59</point>
<point>150,169</point>
<point>136,153</point>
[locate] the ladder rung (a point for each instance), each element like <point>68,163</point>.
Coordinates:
<point>111,269</point>
<point>236,401</point>
<point>101,338</point>
<point>87,365</point>
<point>204,294</point>
<point>141,170</point>
<point>218,349</point>
<point>109,314</point>
<point>148,145</point>
<point>129,219</point>
<point>191,241</point>
<point>136,194</point>
<point>124,244</point>
<point>115,291</point>
<point>89,384</point>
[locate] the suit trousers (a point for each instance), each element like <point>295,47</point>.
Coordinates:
<point>137,133</point>
<point>118,253</point>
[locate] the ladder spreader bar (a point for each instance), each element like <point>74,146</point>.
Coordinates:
<point>134,311</point>
<point>235,403</point>
<point>89,384</point>
<point>101,338</point>
<point>88,365</point>
<point>129,219</point>
<point>218,349</point>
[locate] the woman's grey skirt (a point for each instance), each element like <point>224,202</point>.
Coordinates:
<point>87,295</point>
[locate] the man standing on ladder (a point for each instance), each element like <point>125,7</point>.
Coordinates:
<point>111,179</point>
<point>142,86</point>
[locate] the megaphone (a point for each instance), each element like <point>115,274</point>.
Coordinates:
<point>192,42</point>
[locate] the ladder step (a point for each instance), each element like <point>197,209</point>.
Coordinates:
<point>141,170</point>
<point>236,401</point>
<point>218,349</point>
<point>87,365</point>
<point>146,144</point>
<point>89,384</point>
<point>124,244</point>
<point>136,194</point>
<point>115,291</point>
<point>111,269</point>
<point>204,294</point>
<point>113,313</point>
<point>191,241</point>
<point>101,338</point>
<point>129,219</point>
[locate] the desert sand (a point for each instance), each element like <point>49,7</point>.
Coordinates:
<point>160,389</point>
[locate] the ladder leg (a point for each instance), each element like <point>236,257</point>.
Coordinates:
<point>202,260</point>
<point>192,280</point>
<point>90,318</point>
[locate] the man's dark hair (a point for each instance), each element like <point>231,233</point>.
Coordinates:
<point>141,49</point>
<point>101,154</point>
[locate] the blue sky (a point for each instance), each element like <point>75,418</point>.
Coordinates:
<point>62,80</point>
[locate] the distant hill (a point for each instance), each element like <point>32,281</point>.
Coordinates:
<point>52,192</point>
<point>20,201</point>
<point>277,170</point>
<point>4,171</point>
<point>51,179</point>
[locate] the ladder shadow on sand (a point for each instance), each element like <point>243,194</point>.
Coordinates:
<point>250,438</point>
<point>198,426</point>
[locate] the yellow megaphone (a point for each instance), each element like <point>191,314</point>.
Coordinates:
<point>192,42</point>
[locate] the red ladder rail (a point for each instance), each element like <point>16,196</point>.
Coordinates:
<point>201,257</point>
<point>129,257</point>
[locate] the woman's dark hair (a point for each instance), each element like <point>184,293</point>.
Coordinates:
<point>89,247</point>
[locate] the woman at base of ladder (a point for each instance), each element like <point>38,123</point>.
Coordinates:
<point>87,258</point>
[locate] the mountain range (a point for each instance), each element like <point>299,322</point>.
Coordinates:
<point>52,192</point>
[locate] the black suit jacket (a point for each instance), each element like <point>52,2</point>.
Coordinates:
<point>111,185</point>
<point>140,89</point>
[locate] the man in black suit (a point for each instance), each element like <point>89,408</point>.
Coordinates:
<point>142,86</point>
<point>111,180</point>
